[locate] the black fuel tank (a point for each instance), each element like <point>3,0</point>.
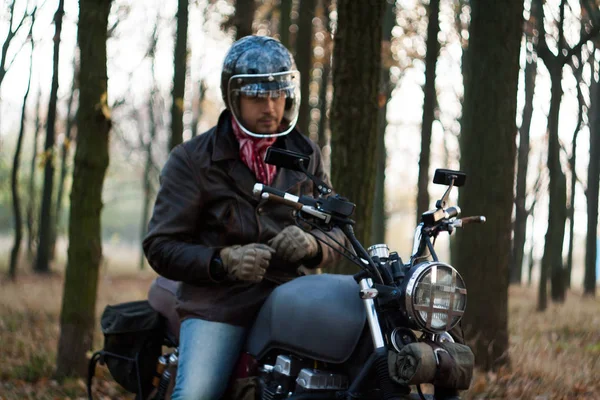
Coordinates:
<point>316,316</point>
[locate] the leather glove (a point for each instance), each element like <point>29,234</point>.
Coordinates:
<point>247,263</point>
<point>293,244</point>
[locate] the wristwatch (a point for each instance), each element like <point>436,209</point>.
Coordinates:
<point>216,269</point>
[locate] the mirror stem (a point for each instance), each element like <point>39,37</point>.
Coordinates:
<point>442,202</point>
<point>321,186</point>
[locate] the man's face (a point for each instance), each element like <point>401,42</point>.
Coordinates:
<point>262,114</point>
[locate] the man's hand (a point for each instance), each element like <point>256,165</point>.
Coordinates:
<point>293,244</point>
<point>247,263</point>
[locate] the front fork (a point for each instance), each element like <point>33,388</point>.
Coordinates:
<point>390,389</point>
<point>372,318</point>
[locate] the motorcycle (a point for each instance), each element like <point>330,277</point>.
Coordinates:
<point>329,336</point>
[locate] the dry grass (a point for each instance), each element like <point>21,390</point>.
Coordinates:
<point>554,355</point>
<point>29,331</point>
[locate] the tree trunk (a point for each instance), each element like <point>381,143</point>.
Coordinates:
<point>488,151</point>
<point>385,94</point>
<point>520,228</point>
<point>552,258</point>
<point>531,260</point>
<point>285,20</point>
<point>578,73</point>
<point>552,261</point>
<point>147,188</point>
<point>31,231</point>
<point>45,230</point>
<point>354,109</point>
<point>146,182</point>
<point>64,155</point>
<point>197,107</point>
<point>591,242</point>
<point>179,68</point>
<point>16,200</point>
<point>243,17</point>
<point>304,60</point>
<point>379,215</point>
<point>460,25</point>
<point>429,102</point>
<point>572,167</point>
<point>77,319</point>
<point>323,106</point>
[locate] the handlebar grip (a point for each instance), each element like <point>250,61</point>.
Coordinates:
<point>282,200</point>
<point>478,219</point>
<point>259,189</point>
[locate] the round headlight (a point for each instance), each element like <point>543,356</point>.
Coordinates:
<point>435,296</point>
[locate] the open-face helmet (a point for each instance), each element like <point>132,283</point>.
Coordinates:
<point>260,66</point>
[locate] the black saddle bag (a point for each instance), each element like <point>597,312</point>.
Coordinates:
<point>133,338</point>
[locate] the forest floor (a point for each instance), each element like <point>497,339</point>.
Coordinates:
<point>554,354</point>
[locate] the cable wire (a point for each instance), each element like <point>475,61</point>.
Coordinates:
<point>355,259</point>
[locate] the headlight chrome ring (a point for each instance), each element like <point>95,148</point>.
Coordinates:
<point>435,296</point>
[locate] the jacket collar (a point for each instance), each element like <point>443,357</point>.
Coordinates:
<point>226,148</point>
<point>225,145</point>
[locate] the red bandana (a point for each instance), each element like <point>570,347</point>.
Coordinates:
<point>252,153</point>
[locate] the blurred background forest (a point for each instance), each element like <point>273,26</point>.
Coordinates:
<point>507,92</point>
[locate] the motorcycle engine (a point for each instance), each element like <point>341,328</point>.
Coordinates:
<point>292,375</point>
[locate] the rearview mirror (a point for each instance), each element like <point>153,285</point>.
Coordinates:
<point>287,159</point>
<point>445,176</point>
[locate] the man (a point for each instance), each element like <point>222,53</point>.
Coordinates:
<point>208,231</point>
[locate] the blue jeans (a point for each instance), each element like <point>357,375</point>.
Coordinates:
<point>208,352</point>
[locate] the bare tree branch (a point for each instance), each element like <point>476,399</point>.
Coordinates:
<point>542,46</point>
<point>544,52</point>
<point>537,187</point>
<point>10,63</point>
<point>10,36</point>
<point>588,36</point>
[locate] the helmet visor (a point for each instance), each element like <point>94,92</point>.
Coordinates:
<point>282,87</point>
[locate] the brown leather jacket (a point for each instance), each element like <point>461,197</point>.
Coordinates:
<point>205,203</point>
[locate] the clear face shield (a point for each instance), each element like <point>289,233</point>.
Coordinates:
<point>276,119</point>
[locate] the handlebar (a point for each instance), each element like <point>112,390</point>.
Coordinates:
<point>452,212</point>
<point>282,200</point>
<point>321,211</point>
<point>433,217</point>
<point>302,203</point>
<point>337,212</point>
<point>312,207</point>
<point>259,189</point>
<point>479,219</point>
